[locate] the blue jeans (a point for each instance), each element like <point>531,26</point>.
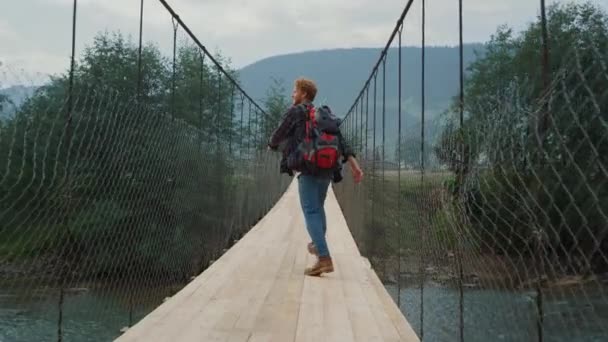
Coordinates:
<point>313,191</point>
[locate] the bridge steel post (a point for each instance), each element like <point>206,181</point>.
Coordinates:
<point>249,168</point>
<point>541,127</point>
<point>201,97</point>
<point>232,89</point>
<point>459,246</point>
<point>399,155</point>
<point>67,183</point>
<point>373,176</point>
<point>173,75</point>
<point>383,159</point>
<point>422,165</point>
<point>366,159</point>
<point>139,58</point>
<point>354,139</point>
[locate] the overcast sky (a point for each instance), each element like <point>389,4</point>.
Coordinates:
<point>35,34</point>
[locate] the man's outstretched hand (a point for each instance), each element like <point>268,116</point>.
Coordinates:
<point>357,175</point>
<point>355,169</point>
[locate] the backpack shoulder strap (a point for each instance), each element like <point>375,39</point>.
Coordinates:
<point>308,106</point>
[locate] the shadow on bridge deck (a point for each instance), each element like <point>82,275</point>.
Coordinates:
<point>257,291</point>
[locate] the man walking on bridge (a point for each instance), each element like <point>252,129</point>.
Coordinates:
<point>316,149</point>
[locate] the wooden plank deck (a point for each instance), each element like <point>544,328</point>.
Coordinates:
<point>257,291</point>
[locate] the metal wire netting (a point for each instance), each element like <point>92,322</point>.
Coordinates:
<point>120,181</point>
<point>492,226</point>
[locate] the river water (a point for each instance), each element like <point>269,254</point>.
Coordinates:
<point>88,316</point>
<point>494,315</point>
<point>489,315</point>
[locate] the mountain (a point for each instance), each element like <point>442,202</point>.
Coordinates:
<point>341,73</point>
<point>13,97</point>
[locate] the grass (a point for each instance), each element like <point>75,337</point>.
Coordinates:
<point>28,243</point>
<point>413,219</point>
<point>412,209</point>
<point>398,206</point>
<point>415,230</point>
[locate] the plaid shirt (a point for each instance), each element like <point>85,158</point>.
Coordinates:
<point>292,129</point>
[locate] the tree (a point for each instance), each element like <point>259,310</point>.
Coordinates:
<point>3,100</point>
<point>131,164</point>
<point>503,147</point>
<point>276,104</point>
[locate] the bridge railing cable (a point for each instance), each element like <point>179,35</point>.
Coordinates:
<point>124,177</point>
<point>485,216</point>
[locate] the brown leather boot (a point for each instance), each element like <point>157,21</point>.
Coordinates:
<point>312,249</point>
<point>323,265</point>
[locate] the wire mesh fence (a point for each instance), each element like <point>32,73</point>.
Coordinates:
<point>121,180</point>
<point>126,176</point>
<point>488,222</point>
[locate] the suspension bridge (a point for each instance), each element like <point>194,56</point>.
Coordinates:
<point>138,201</point>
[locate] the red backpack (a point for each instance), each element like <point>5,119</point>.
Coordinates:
<point>321,146</point>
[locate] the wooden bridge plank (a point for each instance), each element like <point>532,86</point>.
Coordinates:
<point>257,291</point>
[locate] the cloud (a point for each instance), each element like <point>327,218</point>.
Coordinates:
<point>247,31</point>
<point>25,68</point>
<point>7,34</point>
